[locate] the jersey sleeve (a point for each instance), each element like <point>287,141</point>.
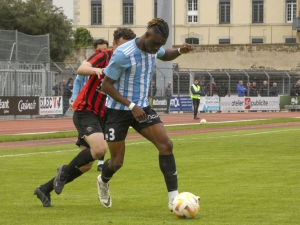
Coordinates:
<point>160,52</point>
<point>98,59</point>
<point>117,65</point>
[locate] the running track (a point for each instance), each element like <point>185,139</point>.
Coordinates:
<point>66,124</point>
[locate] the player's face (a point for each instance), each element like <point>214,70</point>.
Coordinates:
<point>119,42</point>
<point>153,42</point>
<point>101,46</point>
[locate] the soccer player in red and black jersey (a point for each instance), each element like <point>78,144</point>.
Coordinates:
<point>89,108</point>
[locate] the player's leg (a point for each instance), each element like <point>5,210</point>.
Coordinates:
<point>100,163</point>
<point>115,134</point>
<point>88,125</point>
<point>154,131</point>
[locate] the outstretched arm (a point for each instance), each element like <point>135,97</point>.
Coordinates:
<point>171,54</point>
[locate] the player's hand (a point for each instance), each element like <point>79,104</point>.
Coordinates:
<point>186,48</point>
<point>99,72</point>
<point>138,113</point>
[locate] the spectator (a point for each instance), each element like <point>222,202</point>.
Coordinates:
<point>273,90</point>
<point>294,90</point>
<point>222,90</point>
<point>211,88</point>
<point>253,90</point>
<point>195,96</point>
<point>202,88</point>
<point>152,90</point>
<point>58,88</point>
<point>67,93</point>
<point>241,89</point>
<point>264,89</point>
<point>168,94</point>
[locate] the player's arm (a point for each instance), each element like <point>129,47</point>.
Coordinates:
<point>87,69</point>
<point>77,86</point>
<point>171,54</point>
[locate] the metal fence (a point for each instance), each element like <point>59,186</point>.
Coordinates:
<point>183,79</point>
<point>33,79</point>
<point>16,46</point>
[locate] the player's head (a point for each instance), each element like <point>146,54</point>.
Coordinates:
<point>100,44</point>
<point>122,35</point>
<point>156,35</point>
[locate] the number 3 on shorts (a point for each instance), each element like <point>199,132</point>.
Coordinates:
<point>111,134</point>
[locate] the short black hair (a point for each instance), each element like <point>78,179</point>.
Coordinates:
<point>100,42</point>
<point>125,33</point>
<point>160,27</point>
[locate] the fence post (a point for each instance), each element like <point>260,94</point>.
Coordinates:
<point>268,81</point>
<point>247,82</point>
<point>289,88</point>
<point>228,84</point>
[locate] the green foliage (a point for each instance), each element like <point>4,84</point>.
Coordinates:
<point>82,38</point>
<point>37,17</point>
<point>243,178</point>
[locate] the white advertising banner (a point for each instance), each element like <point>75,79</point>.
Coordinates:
<point>249,103</point>
<point>209,103</point>
<point>51,105</point>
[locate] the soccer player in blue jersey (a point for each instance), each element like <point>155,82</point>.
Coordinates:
<point>126,83</point>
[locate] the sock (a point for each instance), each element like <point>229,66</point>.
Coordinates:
<point>84,157</point>
<point>168,168</point>
<point>101,160</point>
<point>107,173</point>
<point>77,173</point>
<point>47,187</point>
<point>172,195</point>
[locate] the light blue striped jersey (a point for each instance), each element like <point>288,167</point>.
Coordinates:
<point>132,69</point>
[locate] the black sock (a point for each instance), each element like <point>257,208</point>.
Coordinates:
<point>74,175</point>
<point>47,187</point>
<point>84,157</point>
<point>107,173</point>
<point>168,168</point>
<point>102,158</point>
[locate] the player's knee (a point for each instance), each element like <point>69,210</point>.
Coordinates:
<point>99,151</point>
<point>166,148</point>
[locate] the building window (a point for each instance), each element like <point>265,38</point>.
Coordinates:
<point>224,11</point>
<point>290,10</point>
<point>192,41</point>
<point>96,12</point>
<point>192,11</point>
<point>257,40</point>
<point>127,11</point>
<point>155,8</point>
<point>257,11</point>
<point>290,40</point>
<point>224,41</point>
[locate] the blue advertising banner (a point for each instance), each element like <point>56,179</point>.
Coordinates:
<point>181,103</point>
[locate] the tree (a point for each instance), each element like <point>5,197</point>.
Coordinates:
<point>82,38</point>
<point>37,17</point>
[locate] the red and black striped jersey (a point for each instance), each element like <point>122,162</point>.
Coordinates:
<point>91,97</point>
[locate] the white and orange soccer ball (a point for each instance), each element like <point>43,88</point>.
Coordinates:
<point>186,205</point>
<point>203,121</point>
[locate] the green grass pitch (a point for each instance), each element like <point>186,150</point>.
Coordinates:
<point>243,177</point>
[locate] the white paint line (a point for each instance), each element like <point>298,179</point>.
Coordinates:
<point>147,142</point>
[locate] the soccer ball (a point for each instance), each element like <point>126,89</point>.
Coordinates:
<point>186,205</point>
<point>203,121</point>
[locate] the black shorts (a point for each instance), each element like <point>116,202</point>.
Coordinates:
<point>117,123</point>
<point>86,124</point>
